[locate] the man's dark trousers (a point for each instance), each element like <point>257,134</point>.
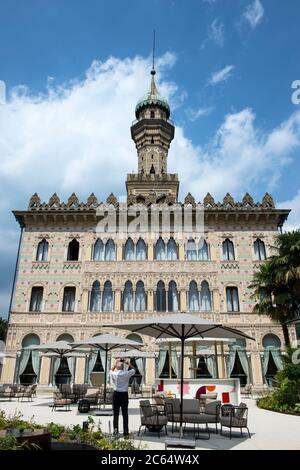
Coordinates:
<point>120,400</point>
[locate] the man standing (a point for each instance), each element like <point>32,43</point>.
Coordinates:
<point>119,379</point>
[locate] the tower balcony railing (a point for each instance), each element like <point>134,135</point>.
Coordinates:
<point>170,121</point>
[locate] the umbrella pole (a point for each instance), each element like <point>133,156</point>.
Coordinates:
<point>181,388</point>
<point>105,374</point>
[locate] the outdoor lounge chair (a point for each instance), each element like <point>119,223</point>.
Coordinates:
<point>60,401</point>
<point>6,392</point>
<point>234,417</point>
<point>28,392</point>
<point>247,391</point>
<point>152,417</point>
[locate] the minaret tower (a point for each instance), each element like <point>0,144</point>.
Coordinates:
<point>152,133</point>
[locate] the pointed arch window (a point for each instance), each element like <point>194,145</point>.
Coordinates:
<point>232,299</point>
<point>98,251</point>
<point>161,303</point>
<point>95,302</point>
<point>259,250</point>
<point>191,250</point>
<point>36,299</point>
<point>203,254</point>
<point>42,250</point>
<point>140,297</point>
<point>172,249</point>
<point>107,298</point>
<point>141,250</point>
<point>193,297</point>
<point>228,250</point>
<point>205,297</point>
<point>73,250</point>
<point>128,297</point>
<point>129,250</point>
<point>69,299</point>
<point>110,250</point>
<point>160,250</point>
<point>173,297</point>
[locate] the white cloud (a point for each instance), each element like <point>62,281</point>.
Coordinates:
<point>240,158</point>
<point>254,13</point>
<point>221,75</point>
<point>293,221</point>
<point>215,34</point>
<point>194,114</point>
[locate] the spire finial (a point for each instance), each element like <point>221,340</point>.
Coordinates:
<point>153,55</point>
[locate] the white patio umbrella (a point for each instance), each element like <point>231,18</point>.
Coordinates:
<point>181,326</point>
<point>106,342</point>
<point>57,348</point>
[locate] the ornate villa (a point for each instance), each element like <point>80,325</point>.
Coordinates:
<point>72,279</point>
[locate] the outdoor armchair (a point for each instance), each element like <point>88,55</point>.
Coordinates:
<point>59,400</point>
<point>234,417</point>
<point>152,417</point>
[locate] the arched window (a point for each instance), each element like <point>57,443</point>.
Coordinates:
<point>160,250</point>
<point>69,299</point>
<point>42,250</point>
<point>172,249</point>
<point>129,250</point>
<point>73,250</point>
<point>65,337</point>
<point>203,251</point>
<point>191,250</point>
<point>107,300</point>
<point>205,297</point>
<point>128,297</point>
<point>271,341</point>
<point>228,250</point>
<point>140,297</point>
<point>36,299</point>
<point>232,299</point>
<point>30,340</point>
<point>135,337</point>
<point>272,358</point>
<point>259,250</point>
<point>193,297</point>
<point>173,298</point>
<point>141,250</point>
<point>161,297</point>
<point>95,300</point>
<point>98,252</point>
<point>110,250</point>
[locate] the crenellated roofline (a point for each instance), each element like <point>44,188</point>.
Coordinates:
<point>73,210</point>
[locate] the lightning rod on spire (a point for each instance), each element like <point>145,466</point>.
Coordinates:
<point>153,55</point>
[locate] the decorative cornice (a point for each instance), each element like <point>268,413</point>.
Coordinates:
<point>73,203</point>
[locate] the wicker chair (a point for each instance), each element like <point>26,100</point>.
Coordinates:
<point>234,417</point>
<point>152,417</point>
<point>60,400</point>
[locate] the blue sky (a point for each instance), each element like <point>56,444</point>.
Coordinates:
<point>226,67</point>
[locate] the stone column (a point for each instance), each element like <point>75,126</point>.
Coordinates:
<point>256,368</point>
<point>150,300</point>
<point>80,370</point>
<point>119,251</point>
<point>183,302</point>
<point>150,252</point>
<point>117,301</point>
<point>45,370</point>
<point>8,370</point>
<point>85,301</point>
<point>87,253</point>
<point>150,371</point>
<point>181,252</point>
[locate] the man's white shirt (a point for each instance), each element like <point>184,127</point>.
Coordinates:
<point>119,379</point>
